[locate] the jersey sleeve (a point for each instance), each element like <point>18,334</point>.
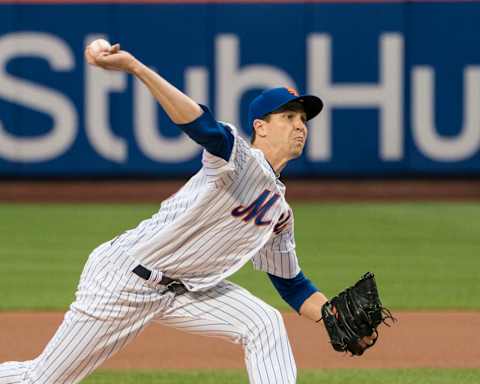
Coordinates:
<point>294,291</point>
<point>278,256</point>
<point>210,134</point>
<point>217,168</point>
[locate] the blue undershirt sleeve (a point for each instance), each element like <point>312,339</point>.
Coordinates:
<point>294,291</point>
<point>215,137</point>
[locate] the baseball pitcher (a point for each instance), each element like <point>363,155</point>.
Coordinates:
<point>173,268</point>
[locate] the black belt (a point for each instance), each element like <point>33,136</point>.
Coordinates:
<point>145,274</point>
<point>172,285</point>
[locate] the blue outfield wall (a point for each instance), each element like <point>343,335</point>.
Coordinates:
<point>401,82</point>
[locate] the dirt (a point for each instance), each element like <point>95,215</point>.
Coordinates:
<point>419,339</point>
<point>305,190</point>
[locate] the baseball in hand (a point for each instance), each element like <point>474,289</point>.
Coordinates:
<point>95,48</point>
<point>98,46</point>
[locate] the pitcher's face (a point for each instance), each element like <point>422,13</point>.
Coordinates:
<point>287,131</point>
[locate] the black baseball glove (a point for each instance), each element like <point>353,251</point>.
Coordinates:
<point>352,317</point>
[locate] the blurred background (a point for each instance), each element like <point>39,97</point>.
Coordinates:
<point>400,80</point>
<point>389,180</point>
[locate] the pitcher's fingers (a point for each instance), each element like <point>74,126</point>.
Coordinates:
<point>115,48</point>
<point>89,56</point>
<point>369,340</point>
<point>363,343</point>
<point>102,57</point>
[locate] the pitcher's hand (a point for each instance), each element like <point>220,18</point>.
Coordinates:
<point>115,59</point>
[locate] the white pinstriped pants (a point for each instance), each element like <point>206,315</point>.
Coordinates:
<point>113,305</point>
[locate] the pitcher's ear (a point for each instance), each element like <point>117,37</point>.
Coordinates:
<point>259,127</point>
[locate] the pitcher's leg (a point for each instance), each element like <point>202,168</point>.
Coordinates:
<point>13,372</point>
<point>79,345</point>
<point>109,312</point>
<point>231,312</point>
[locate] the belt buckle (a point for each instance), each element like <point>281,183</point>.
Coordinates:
<point>176,287</point>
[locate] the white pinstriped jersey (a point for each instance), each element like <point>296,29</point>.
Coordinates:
<point>225,215</point>
<point>228,213</point>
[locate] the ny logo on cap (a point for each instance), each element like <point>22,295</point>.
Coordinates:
<point>293,91</point>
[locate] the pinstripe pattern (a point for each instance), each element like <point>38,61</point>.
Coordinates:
<point>232,313</point>
<point>278,256</point>
<point>195,238</point>
<point>227,214</point>
<point>111,308</point>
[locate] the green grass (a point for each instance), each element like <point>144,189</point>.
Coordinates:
<point>370,376</point>
<point>425,256</point>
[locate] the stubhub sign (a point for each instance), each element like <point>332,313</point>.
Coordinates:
<point>400,81</point>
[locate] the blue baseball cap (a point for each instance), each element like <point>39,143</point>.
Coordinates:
<point>275,98</point>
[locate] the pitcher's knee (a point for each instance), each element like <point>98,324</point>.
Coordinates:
<point>26,372</point>
<point>14,372</point>
<point>266,326</point>
<point>275,320</point>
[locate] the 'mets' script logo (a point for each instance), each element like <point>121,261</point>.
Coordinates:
<point>257,209</point>
<point>282,222</point>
